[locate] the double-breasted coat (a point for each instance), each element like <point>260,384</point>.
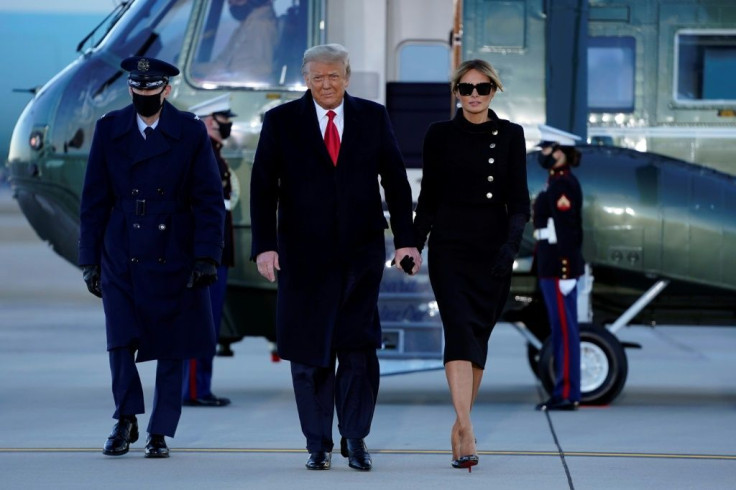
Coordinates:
<point>149,208</point>
<point>329,232</point>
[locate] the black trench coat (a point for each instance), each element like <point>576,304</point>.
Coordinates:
<point>330,232</point>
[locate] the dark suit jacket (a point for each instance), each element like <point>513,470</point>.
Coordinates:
<point>329,232</point>
<point>149,208</point>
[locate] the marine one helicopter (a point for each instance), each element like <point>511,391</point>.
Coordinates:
<point>659,237</point>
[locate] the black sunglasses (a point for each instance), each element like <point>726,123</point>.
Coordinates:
<point>467,88</point>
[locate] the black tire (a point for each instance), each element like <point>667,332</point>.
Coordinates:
<point>604,366</point>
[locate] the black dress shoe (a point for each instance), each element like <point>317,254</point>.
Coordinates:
<point>208,401</point>
<point>156,447</point>
<point>554,404</point>
<point>123,434</point>
<point>319,460</point>
<point>357,454</point>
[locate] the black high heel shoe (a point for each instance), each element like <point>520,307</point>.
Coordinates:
<point>465,462</point>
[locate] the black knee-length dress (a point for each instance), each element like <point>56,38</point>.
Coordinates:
<point>474,188</point>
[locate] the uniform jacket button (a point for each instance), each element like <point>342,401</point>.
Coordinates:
<point>491,160</point>
<point>490,178</point>
<point>162,227</point>
<point>494,132</point>
<point>136,225</point>
<point>493,145</point>
<point>134,260</point>
<point>489,195</point>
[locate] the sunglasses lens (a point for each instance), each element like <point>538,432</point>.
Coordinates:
<point>483,88</point>
<point>466,89</point>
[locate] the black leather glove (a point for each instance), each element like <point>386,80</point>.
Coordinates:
<point>204,273</point>
<point>91,275</point>
<point>504,264</point>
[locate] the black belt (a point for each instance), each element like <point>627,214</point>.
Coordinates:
<point>141,207</point>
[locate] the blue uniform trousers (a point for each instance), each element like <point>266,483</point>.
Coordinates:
<point>128,393</point>
<point>352,391</point>
<point>198,372</point>
<point>565,337</point>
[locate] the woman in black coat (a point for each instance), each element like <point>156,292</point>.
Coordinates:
<point>474,201</point>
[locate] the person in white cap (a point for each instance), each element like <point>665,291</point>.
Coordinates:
<point>197,387</point>
<point>559,261</point>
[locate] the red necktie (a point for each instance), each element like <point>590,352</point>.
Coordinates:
<point>332,137</point>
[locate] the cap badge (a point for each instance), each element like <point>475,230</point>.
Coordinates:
<point>143,65</point>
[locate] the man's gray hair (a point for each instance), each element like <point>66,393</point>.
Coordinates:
<point>327,53</point>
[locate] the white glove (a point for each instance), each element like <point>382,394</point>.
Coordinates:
<point>567,285</point>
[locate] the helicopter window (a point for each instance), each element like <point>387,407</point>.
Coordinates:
<point>251,43</point>
<point>154,28</point>
<point>498,25</point>
<point>705,66</point>
<point>611,62</point>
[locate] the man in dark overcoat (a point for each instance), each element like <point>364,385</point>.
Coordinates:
<point>151,236</point>
<point>317,218</point>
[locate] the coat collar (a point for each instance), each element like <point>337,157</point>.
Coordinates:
<point>470,127</point>
<point>168,122</point>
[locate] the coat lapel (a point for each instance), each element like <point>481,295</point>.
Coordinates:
<point>313,133</point>
<point>350,130</point>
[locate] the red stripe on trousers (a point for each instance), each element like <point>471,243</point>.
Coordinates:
<point>565,342</point>
<point>193,379</point>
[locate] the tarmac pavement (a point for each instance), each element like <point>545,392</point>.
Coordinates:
<point>673,427</point>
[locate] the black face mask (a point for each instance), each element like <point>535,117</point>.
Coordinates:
<point>147,105</point>
<point>546,161</point>
<point>240,12</point>
<point>224,129</point>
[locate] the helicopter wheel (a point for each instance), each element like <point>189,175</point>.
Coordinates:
<point>603,366</point>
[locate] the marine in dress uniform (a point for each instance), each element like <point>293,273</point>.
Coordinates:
<point>559,260</point>
<point>152,218</point>
<point>317,165</point>
<point>197,388</point>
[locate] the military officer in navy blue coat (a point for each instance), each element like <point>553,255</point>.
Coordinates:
<point>317,166</point>
<point>559,260</point>
<point>151,236</point>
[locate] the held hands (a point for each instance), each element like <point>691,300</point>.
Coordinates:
<point>91,275</point>
<point>204,274</point>
<point>504,264</point>
<point>407,259</point>
<point>268,264</point>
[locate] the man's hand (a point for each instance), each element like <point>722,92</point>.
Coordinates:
<point>91,275</point>
<point>204,274</point>
<point>268,264</point>
<point>411,252</point>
